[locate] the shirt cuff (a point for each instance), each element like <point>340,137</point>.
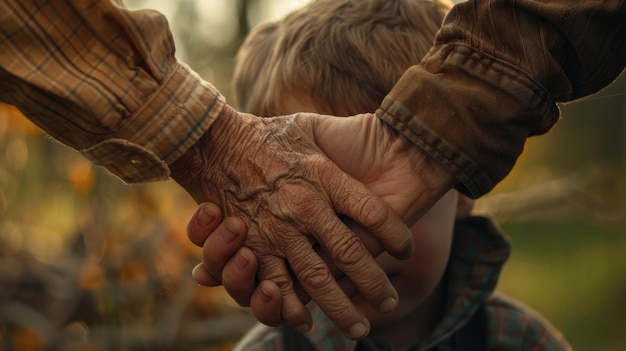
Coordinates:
<point>170,122</point>
<point>469,111</point>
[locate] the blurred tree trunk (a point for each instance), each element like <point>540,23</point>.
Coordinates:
<point>214,63</point>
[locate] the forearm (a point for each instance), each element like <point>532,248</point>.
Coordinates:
<point>494,76</point>
<point>104,80</point>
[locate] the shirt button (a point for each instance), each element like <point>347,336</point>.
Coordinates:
<point>137,161</point>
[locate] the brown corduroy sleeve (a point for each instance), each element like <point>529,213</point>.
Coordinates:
<point>494,76</point>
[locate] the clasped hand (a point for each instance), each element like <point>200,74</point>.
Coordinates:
<point>279,177</point>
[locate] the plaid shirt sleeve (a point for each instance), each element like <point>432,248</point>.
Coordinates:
<point>104,80</point>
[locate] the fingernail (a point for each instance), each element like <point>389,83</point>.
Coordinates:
<point>357,331</point>
<point>204,218</point>
<point>193,271</point>
<point>228,235</point>
<point>241,262</point>
<point>265,297</point>
<point>388,305</point>
<point>303,328</point>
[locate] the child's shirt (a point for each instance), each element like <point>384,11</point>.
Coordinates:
<point>478,253</point>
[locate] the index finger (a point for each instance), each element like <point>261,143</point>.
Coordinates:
<point>356,202</point>
<point>317,280</point>
<point>349,255</point>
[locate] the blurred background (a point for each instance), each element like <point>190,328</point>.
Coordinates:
<point>88,263</point>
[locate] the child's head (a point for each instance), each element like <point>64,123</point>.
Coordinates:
<point>341,57</point>
<point>253,60</point>
<point>345,55</point>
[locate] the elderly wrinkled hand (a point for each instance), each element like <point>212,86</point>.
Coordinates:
<point>375,155</point>
<point>270,173</point>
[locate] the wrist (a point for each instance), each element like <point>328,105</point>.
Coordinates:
<point>430,180</point>
<point>188,169</point>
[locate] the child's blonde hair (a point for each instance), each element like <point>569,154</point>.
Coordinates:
<point>345,55</point>
<point>253,60</point>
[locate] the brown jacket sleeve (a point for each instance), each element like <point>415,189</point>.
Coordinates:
<point>494,76</point>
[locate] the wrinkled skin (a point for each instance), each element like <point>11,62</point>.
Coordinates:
<point>271,173</point>
<point>387,164</point>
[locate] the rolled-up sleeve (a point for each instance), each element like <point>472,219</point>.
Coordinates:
<point>104,80</point>
<point>494,76</point>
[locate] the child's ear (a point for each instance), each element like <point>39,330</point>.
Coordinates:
<point>464,206</point>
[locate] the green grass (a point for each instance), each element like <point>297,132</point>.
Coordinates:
<point>575,275</point>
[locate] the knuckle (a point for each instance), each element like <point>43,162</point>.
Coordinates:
<point>377,286</point>
<point>374,211</point>
<point>272,268</point>
<point>306,206</point>
<point>267,245</point>
<point>317,275</point>
<point>284,283</point>
<point>349,251</point>
<point>213,261</point>
<point>339,311</point>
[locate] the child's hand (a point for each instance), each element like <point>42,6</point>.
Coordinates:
<point>225,259</point>
<point>228,263</point>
